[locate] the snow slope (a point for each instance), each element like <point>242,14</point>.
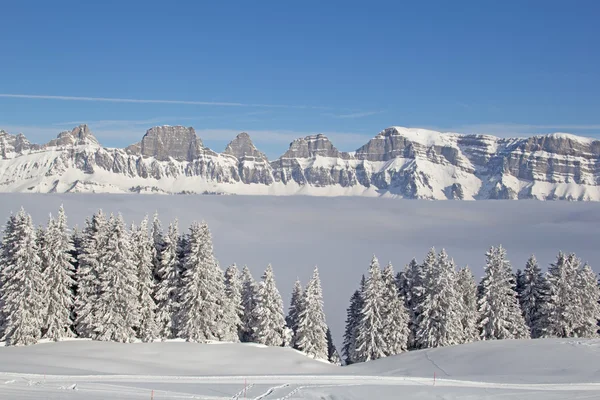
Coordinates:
<point>532,369</point>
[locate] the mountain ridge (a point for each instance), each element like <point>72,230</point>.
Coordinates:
<point>397,162</point>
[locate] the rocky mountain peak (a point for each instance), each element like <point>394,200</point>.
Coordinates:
<point>242,147</point>
<point>312,146</point>
<point>164,142</point>
<point>80,135</point>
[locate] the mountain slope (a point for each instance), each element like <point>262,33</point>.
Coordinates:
<point>398,162</point>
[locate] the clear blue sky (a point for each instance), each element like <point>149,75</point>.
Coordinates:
<point>287,69</point>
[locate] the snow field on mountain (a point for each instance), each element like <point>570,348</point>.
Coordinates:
<point>80,369</point>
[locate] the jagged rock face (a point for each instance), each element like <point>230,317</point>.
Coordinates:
<point>400,162</point>
<point>164,142</point>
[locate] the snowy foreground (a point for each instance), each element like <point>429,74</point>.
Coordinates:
<point>531,369</point>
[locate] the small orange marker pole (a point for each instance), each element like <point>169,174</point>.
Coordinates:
<point>152,395</point>
<point>433,378</point>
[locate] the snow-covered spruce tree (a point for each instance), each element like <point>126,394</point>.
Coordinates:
<point>519,282</point>
<point>499,312</point>
<point>439,322</point>
<point>395,330</point>
<point>414,276</point>
<point>533,297</point>
<point>249,296</point>
<point>168,287</point>
<point>202,312</point>
<point>22,295</point>
<point>467,291</point>
<point>561,314</point>
<point>58,278</point>
<point>147,326</point>
<point>158,244</point>
<point>332,354</point>
<point>352,321</point>
<point>117,303</point>
<point>370,343</point>
<point>311,330</point>
<point>93,243</point>
<point>4,259</point>
<point>233,291</point>
<point>296,305</point>
<point>233,305</point>
<point>268,320</point>
<point>589,295</point>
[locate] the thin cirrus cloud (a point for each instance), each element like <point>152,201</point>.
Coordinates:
<point>154,101</point>
<point>360,114</point>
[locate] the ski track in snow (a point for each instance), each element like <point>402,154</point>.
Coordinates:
<point>265,387</point>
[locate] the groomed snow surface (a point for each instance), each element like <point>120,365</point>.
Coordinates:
<point>513,369</point>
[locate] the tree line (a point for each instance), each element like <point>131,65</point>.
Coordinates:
<point>112,283</point>
<point>433,304</point>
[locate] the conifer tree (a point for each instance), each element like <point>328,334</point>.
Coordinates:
<point>467,292</point>
<point>22,286</point>
<point>414,277</point>
<point>249,296</point>
<point>500,314</point>
<point>533,297</point>
<point>589,295</point>
<point>117,303</point>
<point>158,244</point>
<point>87,276</point>
<point>147,327</point>
<point>203,291</point>
<point>233,291</point>
<point>311,329</point>
<point>332,354</point>
<point>58,278</point>
<point>268,320</point>
<point>439,321</point>
<point>395,330</point>
<point>563,306</point>
<point>352,323</point>
<point>296,306</point>
<point>169,284</point>
<point>370,343</point>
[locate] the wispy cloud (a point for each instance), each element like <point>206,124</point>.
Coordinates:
<point>154,101</point>
<point>360,114</point>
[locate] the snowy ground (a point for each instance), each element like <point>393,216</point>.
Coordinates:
<point>341,234</point>
<point>534,369</point>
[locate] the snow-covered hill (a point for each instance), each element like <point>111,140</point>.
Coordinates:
<point>532,369</point>
<point>398,162</point>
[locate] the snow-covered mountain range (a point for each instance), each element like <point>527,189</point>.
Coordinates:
<point>397,162</point>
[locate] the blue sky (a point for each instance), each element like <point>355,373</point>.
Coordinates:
<point>281,70</point>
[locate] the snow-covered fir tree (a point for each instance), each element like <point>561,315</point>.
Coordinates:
<point>499,312</point>
<point>369,342</point>
<point>467,291</point>
<point>439,321</point>
<point>93,243</point>
<point>352,322</point>
<point>332,354</point>
<point>158,244</point>
<point>233,291</point>
<point>414,276</point>
<point>311,329</point>
<point>395,330</point>
<point>22,286</point>
<point>562,311</point>
<point>519,282</point>
<point>296,305</point>
<point>249,295</point>
<point>533,296</point>
<point>202,312</point>
<point>169,284</point>
<point>117,303</point>
<point>58,278</point>
<point>268,325</point>
<point>147,326</point>
<point>589,295</point>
